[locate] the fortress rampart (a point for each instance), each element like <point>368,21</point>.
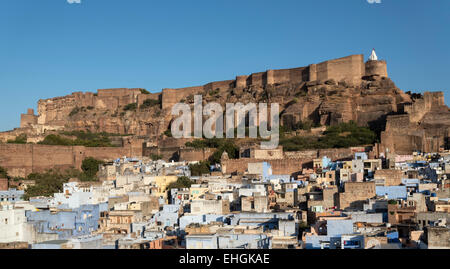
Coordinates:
<point>351,69</point>
<point>21,160</point>
<point>28,119</point>
<point>279,167</point>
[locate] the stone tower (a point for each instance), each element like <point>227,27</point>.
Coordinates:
<point>375,67</point>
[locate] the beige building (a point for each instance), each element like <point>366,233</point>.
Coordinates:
<point>196,191</point>
<point>162,182</point>
<point>200,207</point>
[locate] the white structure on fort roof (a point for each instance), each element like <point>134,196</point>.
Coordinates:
<point>375,67</point>
<point>373,56</point>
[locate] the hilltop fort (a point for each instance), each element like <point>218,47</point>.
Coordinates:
<point>327,93</point>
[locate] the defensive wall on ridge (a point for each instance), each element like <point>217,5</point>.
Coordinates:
<point>55,111</point>
<point>350,69</point>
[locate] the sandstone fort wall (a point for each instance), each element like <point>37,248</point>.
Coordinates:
<point>350,69</point>
<point>4,184</point>
<point>55,111</point>
<point>191,155</point>
<point>21,160</point>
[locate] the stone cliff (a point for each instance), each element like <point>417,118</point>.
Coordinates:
<point>423,127</point>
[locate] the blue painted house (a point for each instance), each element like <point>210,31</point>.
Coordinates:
<point>66,223</point>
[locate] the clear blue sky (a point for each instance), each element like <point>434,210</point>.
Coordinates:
<point>51,48</point>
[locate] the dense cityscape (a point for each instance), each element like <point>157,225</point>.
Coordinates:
<point>144,204</point>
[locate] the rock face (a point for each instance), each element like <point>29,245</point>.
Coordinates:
<point>330,104</point>
<point>335,91</point>
<point>104,111</point>
<point>424,127</point>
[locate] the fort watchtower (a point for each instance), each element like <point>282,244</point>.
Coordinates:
<point>375,67</point>
<point>28,119</point>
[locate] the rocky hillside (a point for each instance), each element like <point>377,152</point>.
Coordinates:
<point>134,112</point>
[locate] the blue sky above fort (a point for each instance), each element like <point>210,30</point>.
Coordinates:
<point>52,48</point>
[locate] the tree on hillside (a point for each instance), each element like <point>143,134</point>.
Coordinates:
<point>46,184</point>
<point>181,183</point>
<point>90,167</point>
<point>199,168</point>
<point>3,172</point>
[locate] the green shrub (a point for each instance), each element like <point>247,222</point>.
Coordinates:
<point>181,183</point>
<point>168,133</point>
<point>74,111</point>
<point>155,157</point>
<point>51,181</point>
<point>292,102</point>
<point>86,139</point>
<point>221,144</point>
<point>150,103</point>
<point>56,140</point>
<point>301,125</point>
<point>229,147</point>
<point>20,139</point>
<point>90,167</point>
<point>214,92</point>
<point>3,172</point>
<point>144,91</point>
<point>343,135</point>
<point>46,184</point>
<point>199,168</point>
<point>130,107</point>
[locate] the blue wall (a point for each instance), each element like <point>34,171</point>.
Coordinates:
<point>79,221</point>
